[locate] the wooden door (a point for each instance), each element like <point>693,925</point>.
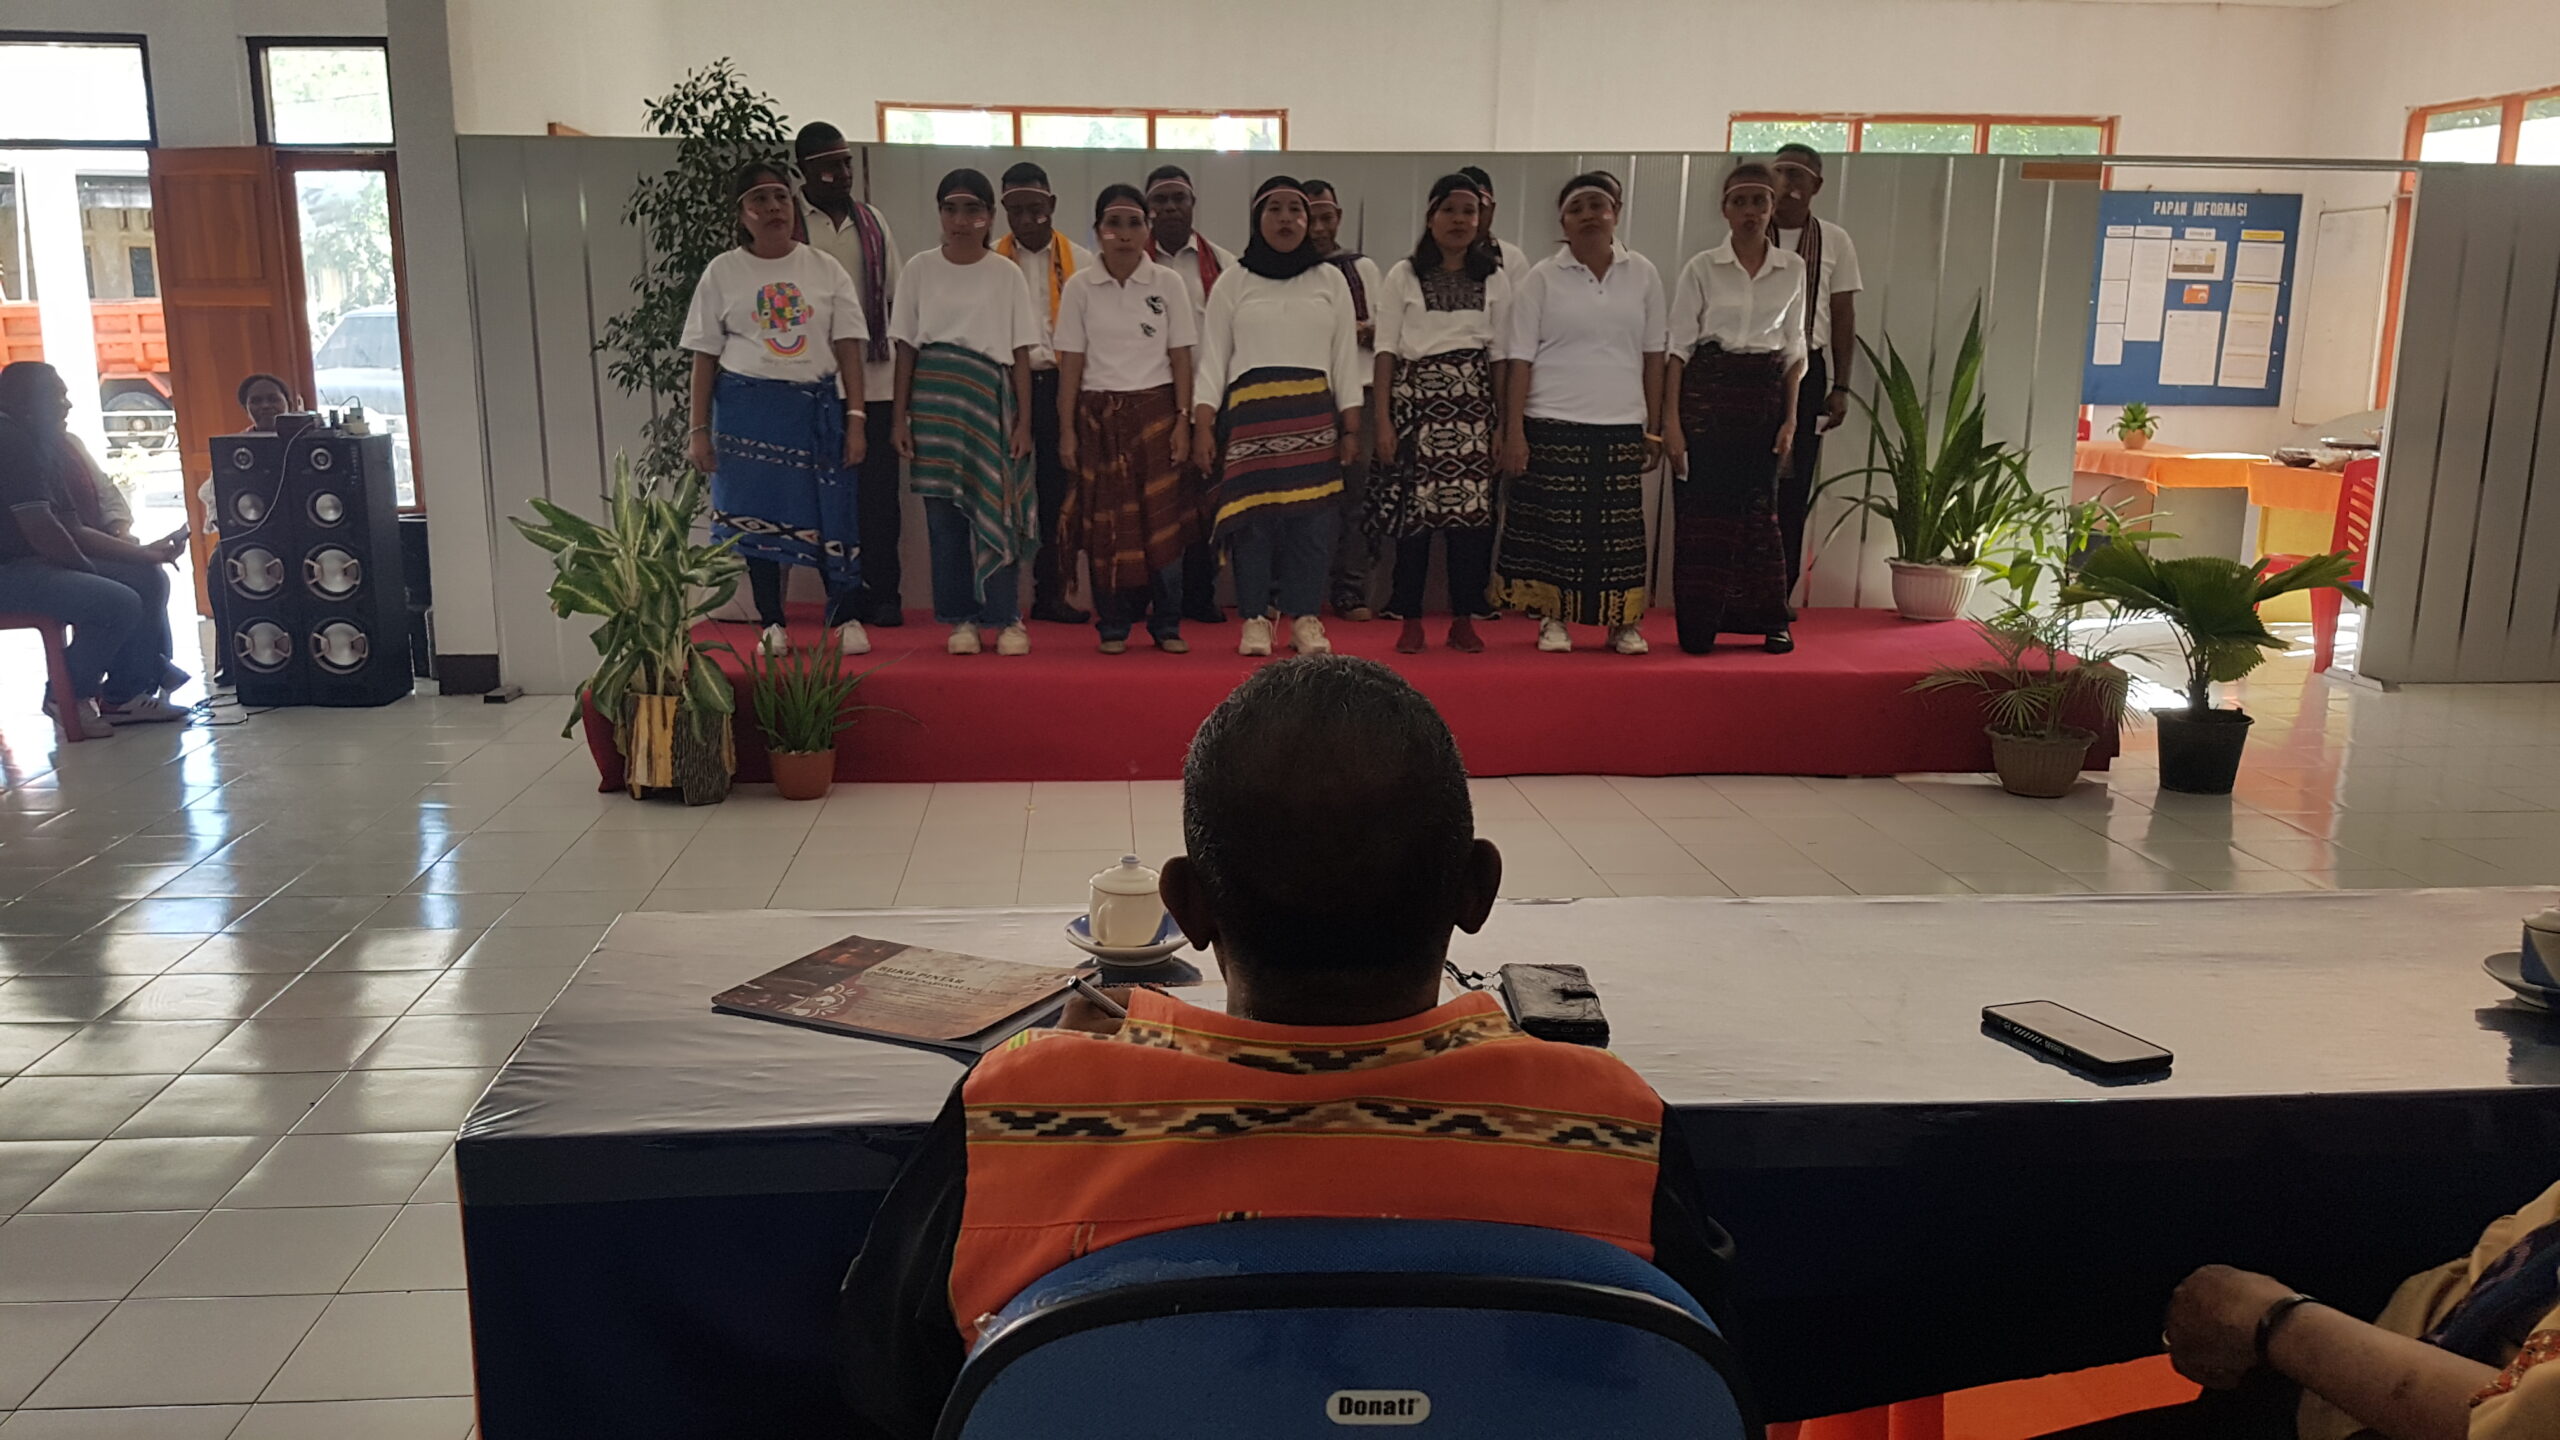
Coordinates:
<point>227,292</point>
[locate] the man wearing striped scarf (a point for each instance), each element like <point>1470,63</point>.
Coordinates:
<point>1832,284</point>
<point>833,221</point>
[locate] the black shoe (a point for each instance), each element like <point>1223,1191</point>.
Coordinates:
<point>1206,615</point>
<point>1059,612</point>
<point>1779,644</point>
<point>886,617</point>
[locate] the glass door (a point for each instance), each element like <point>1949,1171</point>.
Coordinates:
<point>347,223</point>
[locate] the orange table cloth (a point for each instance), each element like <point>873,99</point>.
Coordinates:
<point>2282,487</point>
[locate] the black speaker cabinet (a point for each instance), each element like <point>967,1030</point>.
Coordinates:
<point>310,562</point>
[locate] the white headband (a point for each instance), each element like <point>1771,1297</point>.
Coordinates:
<point>768,185</point>
<point>839,151</point>
<point>1123,207</point>
<point>1580,190</point>
<point>1750,185</point>
<point>962,195</point>
<point>1258,200</point>
<point>1012,190</point>
<point>1172,182</point>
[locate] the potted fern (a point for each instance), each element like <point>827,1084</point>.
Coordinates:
<point>803,700</point>
<point>642,575</point>
<point>1952,496</point>
<point>2135,425</point>
<point>2211,603</point>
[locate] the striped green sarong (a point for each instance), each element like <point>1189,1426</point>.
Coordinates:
<point>961,414</point>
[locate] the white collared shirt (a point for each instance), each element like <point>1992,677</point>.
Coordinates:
<point>1514,259</point>
<point>1185,262</point>
<point>1410,329</point>
<point>1035,273</point>
<point>1585,337</point>
<point>1718,300</point>
<point>1301,323</point>
<point>1125,329</point>
<point>1839,275</point>
<point>844,242</point>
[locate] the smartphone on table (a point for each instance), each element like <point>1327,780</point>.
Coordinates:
<point>2076,1040</point>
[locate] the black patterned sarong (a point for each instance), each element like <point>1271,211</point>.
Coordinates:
<point>1573,546</point>
<point>1729,566</point>
<point>1443,476</point>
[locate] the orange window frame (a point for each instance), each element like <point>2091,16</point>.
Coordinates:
<point>1013,115</point>
<point>2510,128</point>
<point>1859,121</point>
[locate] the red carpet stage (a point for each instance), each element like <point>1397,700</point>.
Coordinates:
<point>1840,705</point>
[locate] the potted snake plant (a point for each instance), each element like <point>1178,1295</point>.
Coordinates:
<point>641,574</point>
<point>803,700</point>
<point>2135,425</point>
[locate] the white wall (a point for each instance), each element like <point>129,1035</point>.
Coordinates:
<point>2392,56</point>
<point>199,50</point>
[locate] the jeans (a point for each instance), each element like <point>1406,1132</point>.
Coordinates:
<point>765,581</point>
<point>876,506</point>
<point>1470,571</point>
<point>1795,484</point>
<point>119,646</point>
<point>1355,554</point>
<point>1050,565</point>
<point>955,597</point>
<point>1200,583</point>
<point>1283,557</point>
<point>1159,604</point>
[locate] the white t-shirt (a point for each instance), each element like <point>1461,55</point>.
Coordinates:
<point>1839,275</point>
<point>982,306</point>
<point>1585,337</point>
<point>1301,323</point>
<point>1410,329</point>
<point>1034,265</point>
<point>1185,263</point>
<point>1718,300</point>
<point>1125,329</point>
<point>774,319</point>
<point>1514,259</point>
<point>844,242</point>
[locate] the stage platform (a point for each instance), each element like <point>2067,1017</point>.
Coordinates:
<point>1840,705</point>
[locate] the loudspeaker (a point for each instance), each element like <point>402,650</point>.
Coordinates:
<point>311,564</point>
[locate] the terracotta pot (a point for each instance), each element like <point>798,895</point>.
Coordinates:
<point>2200,754</point>
<point>2134,439</point>
<point>802,774</point>
<point>1931,592</point>
<point>2038,768</point>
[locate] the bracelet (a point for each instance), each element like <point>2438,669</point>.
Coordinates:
<point>1840,389</point>
<point>1652,439</point>
<point>697,430</point>
<point>2268,1322</point>
<point>855,410</point>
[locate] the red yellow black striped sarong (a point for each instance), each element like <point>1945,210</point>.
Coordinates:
<point>1279,445</point>
<point>1131,510</point>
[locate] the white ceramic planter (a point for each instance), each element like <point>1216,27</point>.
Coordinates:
<point>1931,592</point>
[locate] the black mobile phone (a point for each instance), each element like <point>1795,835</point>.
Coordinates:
<point>2074,1038</point>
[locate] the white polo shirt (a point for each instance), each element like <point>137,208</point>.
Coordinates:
<point>1185,263</point>
<point>1125,329</point>
<point>1035,266</point>
<point>1718,300</point>
<point>1585,337</point>
<point>1839,274</point>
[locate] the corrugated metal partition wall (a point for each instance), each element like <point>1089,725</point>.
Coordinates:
<point>2466,556</point>
<point>551,260</point>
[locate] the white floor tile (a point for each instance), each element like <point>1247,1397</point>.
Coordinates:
<point>173,1173</point>
<point>34,1338</point>
<point>422,1251</point>
<point>181,1352</point>
<point>449,1418</point>
<point>84,1257</point>
<point>309,1250</point>
<point>180,1422</point>
<point>387,1346</point>
<point>380,1169</point>
<point>27,1167</point>
<point>72,1107</point>
<point>370,1102</point>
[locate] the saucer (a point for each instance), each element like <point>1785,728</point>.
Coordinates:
<point>1169,938</point>
<point>2507,968</point>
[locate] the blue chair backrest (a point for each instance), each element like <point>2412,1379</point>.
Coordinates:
<point>1269,1328</point>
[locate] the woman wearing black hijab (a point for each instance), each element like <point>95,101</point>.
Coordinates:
<point>1279,359</point>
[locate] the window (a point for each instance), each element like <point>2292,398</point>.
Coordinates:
<point>346,214</point>
<point>335,92</point>
<point>74,90</point>
<point>991,126</point>
<point>141,273</point>
<point>2469,136</point>
<point>115,235</point>
<point>14,249</point>
<point>2518,129</point>
<point>2538,132</point>
<point>1924,134</point>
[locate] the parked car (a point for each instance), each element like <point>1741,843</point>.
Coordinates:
<point>360,363</point>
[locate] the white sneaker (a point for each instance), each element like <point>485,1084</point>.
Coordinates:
<point>964,639</point>
<point>1014,641</point>
<point>853,639</point>
<point>1553,637</point>
<point>1627,640</point>
<point>86,719</point>
<point>147,709</point>
<point>1256,639</point>
<point>774,641</point>
<point>1307,634</point>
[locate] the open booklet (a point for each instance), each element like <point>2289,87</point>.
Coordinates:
<point>889,990</point>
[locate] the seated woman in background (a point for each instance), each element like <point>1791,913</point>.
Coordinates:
<point>54,561</point>
<point>1124,347</point>
<point>2467,1351</point>
<point>262,398</point>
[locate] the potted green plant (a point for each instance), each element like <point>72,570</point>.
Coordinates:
<point>1952,498</point>
<point>2135,425</point>
<point>642,575</point>
<point>2211,603</point>
<point>803,700</point>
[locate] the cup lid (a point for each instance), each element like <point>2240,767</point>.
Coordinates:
<point>1130,878</point>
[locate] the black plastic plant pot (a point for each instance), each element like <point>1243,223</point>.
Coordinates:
<point>2200,752</point>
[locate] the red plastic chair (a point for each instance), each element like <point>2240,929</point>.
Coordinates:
<point>65,714</point>
<point>2353,532</point>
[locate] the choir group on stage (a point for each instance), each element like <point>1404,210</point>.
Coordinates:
<point>1161,402</point>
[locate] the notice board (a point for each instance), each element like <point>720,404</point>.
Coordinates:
<point>2190,298</point>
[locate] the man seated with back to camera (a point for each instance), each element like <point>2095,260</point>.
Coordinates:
<point>1329,907</point>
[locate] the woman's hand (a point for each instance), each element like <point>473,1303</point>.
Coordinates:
<point>1652,451</point>
<point>1182,439</point>
<point>1347,448</point>
<point>1786,442</point>
<point>857,441</point>
<point>1022,438</point>
<point>902,436</point>
<point>2212,1325</point>
<point>1515,453</point>
<point>1675,448</point>
<point>1204,449</point>
<point>1386,443</point>
<point>1067,445</point>
<point>698,453</point>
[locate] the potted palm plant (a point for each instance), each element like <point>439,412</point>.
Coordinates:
<point>2135,425</point>
<point>2211,603</point>
<point>1950,498</point>
<point>642,575</point>
<point>803,700</point>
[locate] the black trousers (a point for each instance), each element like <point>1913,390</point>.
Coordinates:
<point>1049,477</point>
<point>1795,487</point>
<point>1470,571</point>
<point>877,502</point>
<point>765,583</point>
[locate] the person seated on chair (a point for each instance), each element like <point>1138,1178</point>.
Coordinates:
<point>111,592</point>
<point>2465,1351</point>
<point>1336,1084</point>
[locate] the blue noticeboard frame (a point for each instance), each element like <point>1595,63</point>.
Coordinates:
<point>2144,233</point>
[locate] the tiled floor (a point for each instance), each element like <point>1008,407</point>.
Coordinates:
<point>250,978</point>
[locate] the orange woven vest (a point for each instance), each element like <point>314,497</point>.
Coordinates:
<point>1188,1117</point>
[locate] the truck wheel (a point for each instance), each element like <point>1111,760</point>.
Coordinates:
<point>139,420</point>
